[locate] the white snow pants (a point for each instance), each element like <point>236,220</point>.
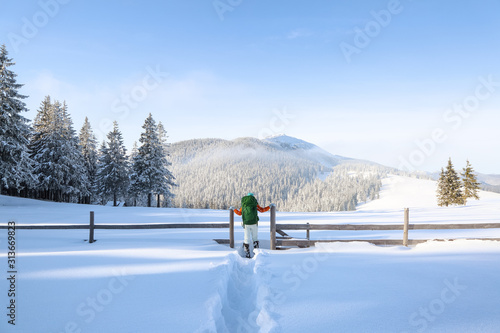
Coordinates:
<point>251,231</point>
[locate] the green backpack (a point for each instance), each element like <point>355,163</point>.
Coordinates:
<point>249,210</point>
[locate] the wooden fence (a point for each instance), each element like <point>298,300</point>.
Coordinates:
<point>92,227</point>
<point>286,240</point>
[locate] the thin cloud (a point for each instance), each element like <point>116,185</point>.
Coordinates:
<point>298,33</point>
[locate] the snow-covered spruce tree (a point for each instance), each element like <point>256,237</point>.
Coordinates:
<point>112,172</point>
<point>88,149</point>
<point>133,153</point>
<point>40,150</point>
<point>16,173</point>
<point>162,134</point>
<point>78,184</point>
<point>135,200</point>
<point>442,195</point>
<point>449,187</point>
<point>470,184</point>
<point>58,163</point>
<point>150,175</point>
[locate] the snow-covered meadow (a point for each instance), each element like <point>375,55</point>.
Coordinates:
<point>180,280</point>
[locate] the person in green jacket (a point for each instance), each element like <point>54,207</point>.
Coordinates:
<point>250,217</point>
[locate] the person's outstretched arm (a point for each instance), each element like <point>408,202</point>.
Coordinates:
<point>238,211</point>
<point>263,210</point>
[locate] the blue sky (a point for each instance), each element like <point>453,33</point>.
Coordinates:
<point>403,83</point>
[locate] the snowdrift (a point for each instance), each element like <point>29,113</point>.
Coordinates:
<point>181,281</point>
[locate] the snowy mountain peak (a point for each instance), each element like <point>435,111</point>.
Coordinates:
<point>305,150</point>
<point>275,135</point>
<point>289,142</point>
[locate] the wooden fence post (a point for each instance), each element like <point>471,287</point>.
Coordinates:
<point>91,228</point>
<point>405,227</point>
<point>273,226</point>
<point>231,227</point>
<point>307,232</point>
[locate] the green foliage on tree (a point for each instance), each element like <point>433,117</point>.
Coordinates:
<point>453,190</point>
<point>16,171</point>
<point>88,148</point>
<point>150,175</point>
<point>113,168</point>
<point>58,162</point>
<point>449,190</point>
<point>470,184</point>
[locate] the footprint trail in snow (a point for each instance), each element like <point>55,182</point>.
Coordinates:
<point>243,302</point>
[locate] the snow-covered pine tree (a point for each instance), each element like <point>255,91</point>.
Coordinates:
<point>58,161</point>
<point>133,153</point>
<point>167,197</point>
<point>449,187</point>
<point>162,134</point>
<point>132,194</point>
<point>99,176</point>
<point>470,184</point>
<point>442,194</point>
<point>77,185</point>
<point>46,150</point>
<point>150,175</point>
<point>113,174</point>
<point>88,148</point>
<point>16,172</point>
<point>40,150</point>
<point>455,184</point>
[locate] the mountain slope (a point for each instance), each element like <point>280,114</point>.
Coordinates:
<point>216,173</point>
<point>306,150</point>
<point>489,182</point>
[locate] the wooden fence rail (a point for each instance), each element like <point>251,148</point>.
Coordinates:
<point>375,227</point>
<point>92,227</point>
<point>286,240</point>
<point>122,226</point>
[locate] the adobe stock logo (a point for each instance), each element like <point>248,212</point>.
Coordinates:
<point>454,118</point>
<point>97,303</point>
<point>364,36</point>
<point>31,26</point>
<point>130,100</point>
<point>426,315</point>
<point>223,6</point>
<point>277,124</point>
